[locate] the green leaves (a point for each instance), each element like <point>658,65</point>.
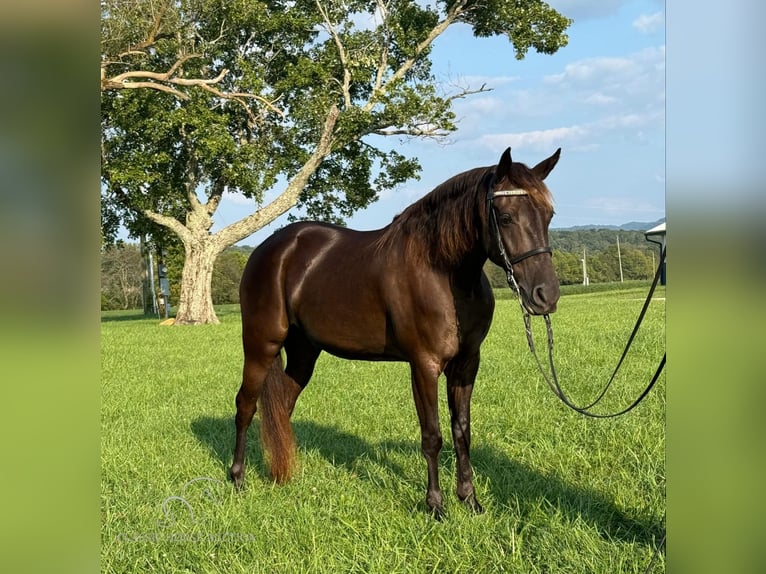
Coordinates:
<point>526,23</point>
<point>249,85</point>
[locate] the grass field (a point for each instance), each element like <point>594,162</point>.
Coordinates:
<point>562,493</point>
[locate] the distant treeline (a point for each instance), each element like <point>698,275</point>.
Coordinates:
<point>122,270</point>
<point>599,248</point>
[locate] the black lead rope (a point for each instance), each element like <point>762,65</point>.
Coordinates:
<point>553,381</point>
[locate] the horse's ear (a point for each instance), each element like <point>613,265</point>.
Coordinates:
<point>504,167</point>
<point>543,168</point>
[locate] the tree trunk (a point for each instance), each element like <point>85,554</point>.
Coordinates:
<point>196,303</point>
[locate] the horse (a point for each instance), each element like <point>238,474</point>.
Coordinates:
<point>413,291</point>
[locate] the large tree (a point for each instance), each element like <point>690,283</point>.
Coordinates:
<point>201,97</point>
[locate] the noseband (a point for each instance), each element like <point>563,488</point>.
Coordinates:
<point>508,262</point>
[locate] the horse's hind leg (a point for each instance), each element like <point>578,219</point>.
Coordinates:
<point>278,399</point>
<point>253,375</point>
<point>301,355</point>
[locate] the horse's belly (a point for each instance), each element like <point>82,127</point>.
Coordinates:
<point>352,335</point>
<point>348,325</point>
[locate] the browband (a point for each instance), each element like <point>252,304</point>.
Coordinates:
<point>509,262</point>
<point>503,192</point>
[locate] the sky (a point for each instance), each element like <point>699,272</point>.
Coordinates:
<point>601,99</point>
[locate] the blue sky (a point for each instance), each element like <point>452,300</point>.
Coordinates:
<point>601,99</point>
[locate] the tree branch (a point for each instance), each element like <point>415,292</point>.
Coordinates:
<point>438,30</point>
<point>383,63</point>
<point>414,132</point>
<point>215,198</point>
<point>170,222</point>
<point>341,54</point>
<point>427,129</point>
<point>160,80</point>
<point>289,197</point>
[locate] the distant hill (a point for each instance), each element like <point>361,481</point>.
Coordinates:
<point>632,226</point>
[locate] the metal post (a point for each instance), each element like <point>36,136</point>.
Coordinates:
<point>585,280</point>
<point>619,256</point>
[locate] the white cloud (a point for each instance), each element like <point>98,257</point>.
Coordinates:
<point>599,99</point>
<point>539,140</point>
<point>627,205</point>
<point>648,23</point>
<point>581,137</point>
<point>630,82</point>
<point>591,69</point>
<point>237,199</point>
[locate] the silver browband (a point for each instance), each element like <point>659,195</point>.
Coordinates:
<point>502,192</point>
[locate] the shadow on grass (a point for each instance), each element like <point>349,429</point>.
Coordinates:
<point>225,313</point>
<point>512,483</point>
<point>132,315</point>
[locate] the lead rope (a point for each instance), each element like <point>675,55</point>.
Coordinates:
<point>556,387</point>
<point>553,381</point>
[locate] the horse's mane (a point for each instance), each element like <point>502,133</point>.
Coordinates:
<point>442,226</point>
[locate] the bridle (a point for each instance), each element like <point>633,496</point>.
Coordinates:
<point>553,380</point>
<point>508,262</point>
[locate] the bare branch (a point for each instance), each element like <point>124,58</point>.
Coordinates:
<point>215,198</point>
<point>151,85</point>
<point>153,34</point>
<point>467,92</point>
<point>160,81</point>
<point>426,129</point>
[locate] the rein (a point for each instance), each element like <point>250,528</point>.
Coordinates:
<point>553,380</point>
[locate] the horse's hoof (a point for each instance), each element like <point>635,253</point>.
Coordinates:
<point>473,505</point>
<point>438,513</point>
<point>237,477</point>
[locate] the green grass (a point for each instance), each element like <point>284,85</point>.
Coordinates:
<point>562,493</point>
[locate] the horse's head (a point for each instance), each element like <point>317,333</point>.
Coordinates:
<point>519,211</point>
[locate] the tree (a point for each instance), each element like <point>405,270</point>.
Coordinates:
<point>201,97</point>
<point>226,277</point>
<point>496,275</point>
<point>636,264</point>
<point>121,272</point>
<point>568,267</point>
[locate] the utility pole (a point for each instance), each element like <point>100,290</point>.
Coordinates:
<point>619,256</point>
<point>162,274</point>
<point>148,294</point>
<point>585,280</point>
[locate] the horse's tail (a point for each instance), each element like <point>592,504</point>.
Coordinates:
<point>276,431</point>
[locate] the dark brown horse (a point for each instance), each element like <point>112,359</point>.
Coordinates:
<point>413,291</point>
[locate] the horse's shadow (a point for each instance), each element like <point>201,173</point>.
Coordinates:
<point>512,483</point>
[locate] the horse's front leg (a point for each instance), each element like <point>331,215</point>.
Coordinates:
<point>461,374</point>
<point>424,389</point>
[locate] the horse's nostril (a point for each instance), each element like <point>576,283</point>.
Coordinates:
<point>545,296</point>
<point>538,294</point>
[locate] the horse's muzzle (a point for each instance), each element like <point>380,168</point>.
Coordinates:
<point>542,299</point>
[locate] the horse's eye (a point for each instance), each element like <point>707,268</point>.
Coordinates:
<point>505,219</point>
